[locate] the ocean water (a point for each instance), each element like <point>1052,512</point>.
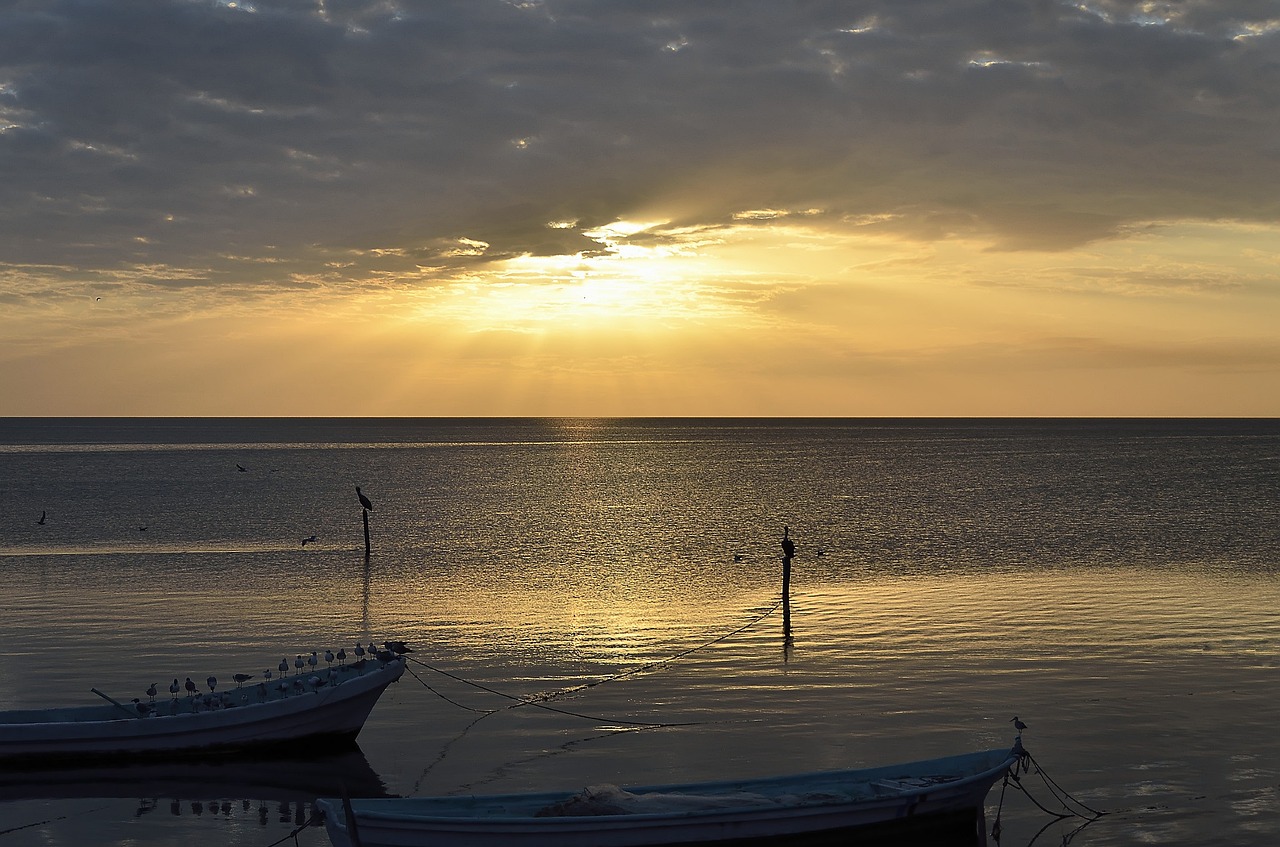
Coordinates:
<point>1111,582</point>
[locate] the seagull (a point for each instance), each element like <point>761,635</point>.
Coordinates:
<point>737,557</point>
<point>213,683</point>
<point>241,467</point>
<point>142,529</point>
<point>359,652</point>
<point>41,521</point>
<point>328,656</point>
<point>364,501</point>
<point>342,656</point>
<point>151,692</point>
<point>307,541</point>
<point>297,663</point>
<point>312,660</point>
<point>242,678</point>
<point>191,687</point>
<point>174,689</point>
<point>284,667</point>
<point>1018,725</point>
<point>397,647</point>
<point>266,674</point>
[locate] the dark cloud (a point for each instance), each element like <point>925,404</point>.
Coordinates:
<point>180,131</point>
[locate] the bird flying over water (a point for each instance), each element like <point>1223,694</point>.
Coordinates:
<point>364,501</point>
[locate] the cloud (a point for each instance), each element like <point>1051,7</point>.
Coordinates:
<point>186,132</point>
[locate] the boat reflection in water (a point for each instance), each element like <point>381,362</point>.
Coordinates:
<point>273,790</point>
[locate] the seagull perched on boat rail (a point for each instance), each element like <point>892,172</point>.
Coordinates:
<point>174,689</point>
<point>191,687</point>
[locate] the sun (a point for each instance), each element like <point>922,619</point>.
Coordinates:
<point>623,282</point>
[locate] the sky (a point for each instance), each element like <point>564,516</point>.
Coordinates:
<point>630,208</point>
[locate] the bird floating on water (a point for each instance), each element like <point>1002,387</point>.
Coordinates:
<point>309,540</point>
<point>364,501</point>
<point>41,521</point>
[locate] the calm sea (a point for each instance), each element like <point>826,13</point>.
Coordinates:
<point>1111,582</point>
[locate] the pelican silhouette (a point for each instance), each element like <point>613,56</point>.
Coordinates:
<point>364,501</point>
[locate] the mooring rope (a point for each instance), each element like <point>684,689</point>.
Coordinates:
<point>1025,763</point>
<point>313,820</point>
<point>540,701</point>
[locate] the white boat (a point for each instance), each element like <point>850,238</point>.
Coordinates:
<point>334,702</point>
<point>942,792</point>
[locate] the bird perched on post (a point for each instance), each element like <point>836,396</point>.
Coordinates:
<point>364,501</point>
<point>1018,725</point>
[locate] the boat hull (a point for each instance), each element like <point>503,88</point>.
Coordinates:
<point>811,808</point>
<point>258,717</point>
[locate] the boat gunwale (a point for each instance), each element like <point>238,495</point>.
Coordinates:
<point>497,823</point>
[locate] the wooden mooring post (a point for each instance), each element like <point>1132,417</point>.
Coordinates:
<point>788,553</point>
<point>366,506</point>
